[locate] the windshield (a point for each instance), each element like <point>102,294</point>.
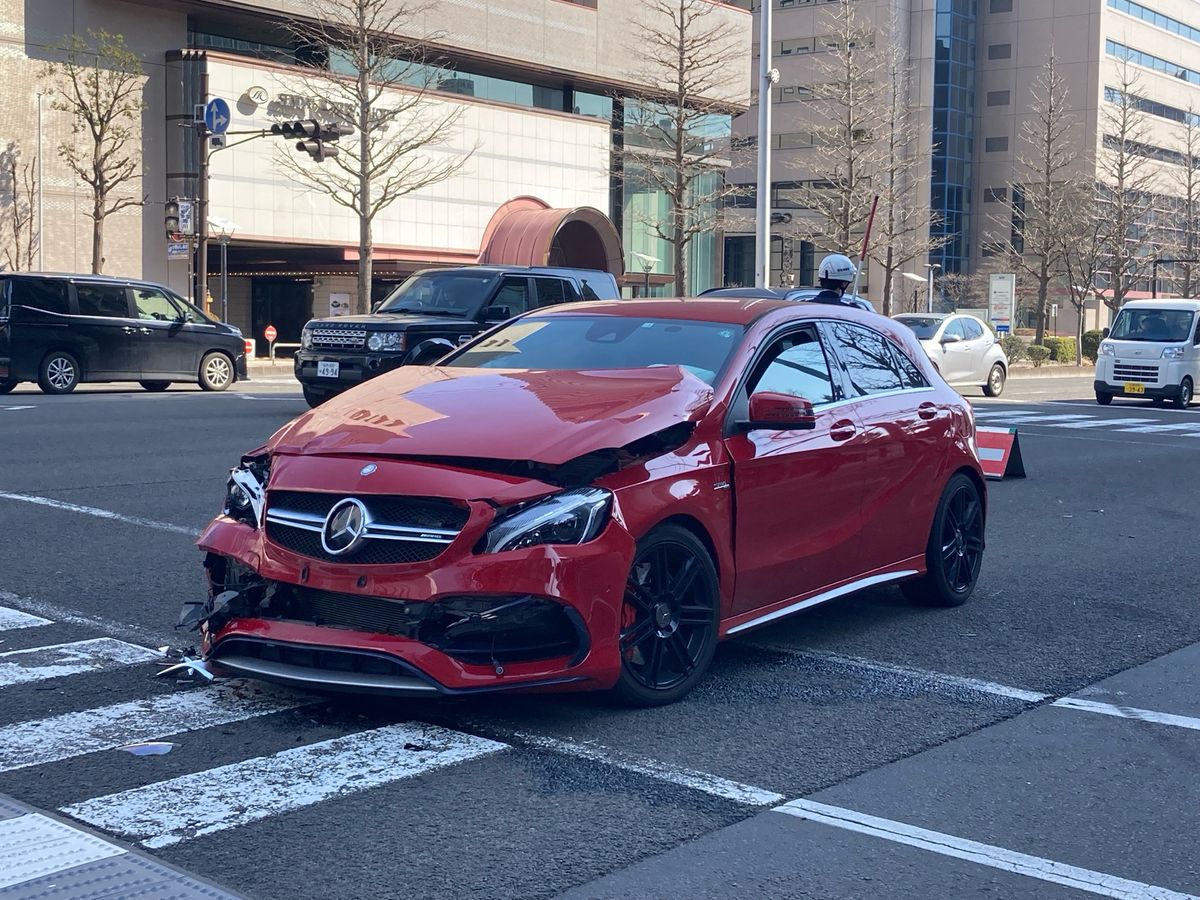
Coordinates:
<point>583,343</point>
<point>445,293</point>
<point>924,327</point>
<point>1153,325</point>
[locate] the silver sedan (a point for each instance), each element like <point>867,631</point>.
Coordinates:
<point>964,350</point>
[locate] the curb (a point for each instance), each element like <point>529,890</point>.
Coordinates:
<point>43,855</point>
<point>1052,372</point>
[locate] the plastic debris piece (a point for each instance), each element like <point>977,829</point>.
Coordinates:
<point>148,748</point>
<point>191,666</point>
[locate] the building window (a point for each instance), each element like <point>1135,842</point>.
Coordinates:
<point>953,131</point>
<point>1137,10</point>
<point>995,145</point>
<point>995,195</point>
<point>997,98</point>
<point>1153,107</point>
<point>1000,6</point>
<point>1150,61</point>
<point>999,51</point>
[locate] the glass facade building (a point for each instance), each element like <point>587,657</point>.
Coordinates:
<point>953,130</point>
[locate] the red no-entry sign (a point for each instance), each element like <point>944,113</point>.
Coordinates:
<point>270,333</point>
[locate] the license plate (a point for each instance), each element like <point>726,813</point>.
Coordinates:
<point>328,369</point>
<point>1133,387</point>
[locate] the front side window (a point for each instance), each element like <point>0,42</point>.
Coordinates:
<point>154,305</point>
<point>583,343</point>
<point>1166,325</point>
<point>103,300</point>
<point>49,294</point>
<point>867,358</point>
<point>796,365</point>
<point>955,327</point>
<point>513,293</point>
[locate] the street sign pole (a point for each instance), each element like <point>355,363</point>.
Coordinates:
<point>202,204</point>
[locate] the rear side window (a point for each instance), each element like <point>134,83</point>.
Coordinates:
<point>105,300</point>
<point>49,294</point>
<point>549,291</point>
<point>909,373</point>
<point>867,357</point>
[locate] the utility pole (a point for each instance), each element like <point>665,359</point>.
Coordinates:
<point>202,197</point>
<point>41,190</point>
<point>768,77</point>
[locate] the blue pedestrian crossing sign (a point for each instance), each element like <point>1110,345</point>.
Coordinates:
<point>216,116</point>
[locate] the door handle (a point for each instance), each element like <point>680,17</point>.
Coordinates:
<point>145,331</point>
<point>843,430</point>
<point>927,411</point>
<point>128,329</point>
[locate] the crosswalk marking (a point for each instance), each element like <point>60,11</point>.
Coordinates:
<point>1140,425</point>
<point>58,660</point>
<point>72,734</point>
<point>1193,427</point>
<point>168,812</point>
<point>11,619</point>
<point>1102,423</point>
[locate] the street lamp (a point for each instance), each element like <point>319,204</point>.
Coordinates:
<point>914,277</point>
<point>931,267</point>
<point>224,229</point>
<point>648,263</point>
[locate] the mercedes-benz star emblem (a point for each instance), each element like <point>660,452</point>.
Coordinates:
<point>344,527</point>
<point>368,469</point>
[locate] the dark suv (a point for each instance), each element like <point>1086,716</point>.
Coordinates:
<point>429,315</point>
<point>60,330</point>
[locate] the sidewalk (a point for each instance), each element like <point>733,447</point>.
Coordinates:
<point>1051,370</point>
<point>42,856</point>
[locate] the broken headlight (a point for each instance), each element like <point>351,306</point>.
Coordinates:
<point>572,517</point>
<point>245,492</point>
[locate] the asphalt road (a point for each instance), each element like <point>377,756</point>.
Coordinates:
<point>920,753</point>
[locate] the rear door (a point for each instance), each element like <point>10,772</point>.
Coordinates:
<point>902,442</point>
<point>798,494</point>
<point>107,331</point>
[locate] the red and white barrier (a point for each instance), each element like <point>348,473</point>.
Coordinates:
<point>1000,453</point>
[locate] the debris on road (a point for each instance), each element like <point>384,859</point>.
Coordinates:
<point>148,748</point>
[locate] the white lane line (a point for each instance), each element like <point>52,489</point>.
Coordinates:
<point>42,741</point>
<point>12,619</point>
<point>58,660</point>
<point>688,778</point>
<point>99,513</point>
<point>15,408</point>
<point>33,846</point>
<point>957,683</point>
<point>1100,423</point>
<point>107,626</point>
<point>169,812</point>
<point>1034,418</point>
<point>1129,712</point>
<point>980,854</point>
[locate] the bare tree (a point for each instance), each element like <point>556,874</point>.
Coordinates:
<point>18,198</point>
<point>1126,186</point>
<point>1046,192</point>
<point>672,145</point>
<point>99,83</point>
<point>1186,178</point>
<point>904,220</point>
<point>381,83</point>
<point>1084,261</point>
<point>847,151</point>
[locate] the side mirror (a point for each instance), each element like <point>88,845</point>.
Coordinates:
<point>375,306</point>
<point>950,339</point>
<point>780,412</point>
<point>1104,334</point>
<point>497,313</point>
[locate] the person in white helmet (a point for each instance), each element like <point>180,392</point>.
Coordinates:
<point>835,275</point>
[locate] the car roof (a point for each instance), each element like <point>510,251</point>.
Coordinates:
<point>84,276</point>
<point>722,310</point>
<point>1192,305</point>
<point>939,316</point>
<point>527,270</point>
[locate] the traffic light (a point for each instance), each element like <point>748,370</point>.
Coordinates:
<point>313,136</point>
<point>171,219</point>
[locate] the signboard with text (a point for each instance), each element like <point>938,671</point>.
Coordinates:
<point>178,250</point>
<point>1002,297</point>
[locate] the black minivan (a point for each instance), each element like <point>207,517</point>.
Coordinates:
<point>60,330</point>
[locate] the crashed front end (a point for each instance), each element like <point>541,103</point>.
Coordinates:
<point>519,587</point>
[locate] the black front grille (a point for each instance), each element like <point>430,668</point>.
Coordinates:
<point>358,613</point>
<point>326,659</point>
<point>415,512</point>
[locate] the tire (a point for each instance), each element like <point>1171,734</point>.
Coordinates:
<point>994,386</point>
<point>314,398</point>
<point>216,371</point>
<point>1104,399</point>
<point>669,618</point>
<point>155,386</point>
<point>954,553</point>
<point>1183,397</point>
<point>59,373</point>
<point>7,387</point>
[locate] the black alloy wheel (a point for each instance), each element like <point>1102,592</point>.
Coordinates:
<point>7,387</point>
<point>1183,397</point>
<point>955,551</point>
<point>669,621</point>
<point>155,386</point>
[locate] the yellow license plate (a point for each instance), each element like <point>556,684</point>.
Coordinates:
<point>1133,387</point>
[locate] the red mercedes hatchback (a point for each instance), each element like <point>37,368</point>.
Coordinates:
<point>590,497</point>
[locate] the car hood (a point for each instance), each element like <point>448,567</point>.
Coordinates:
<point>519,415</point>
<point>390,320</point>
